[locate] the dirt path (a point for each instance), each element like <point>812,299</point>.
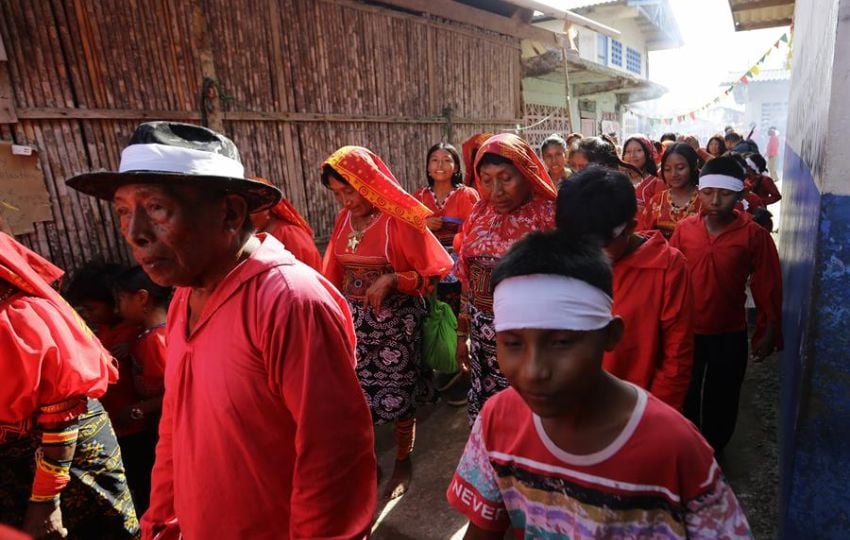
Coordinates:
<point>751,461</point>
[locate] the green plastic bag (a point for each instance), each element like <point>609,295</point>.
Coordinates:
<point>439,337</point>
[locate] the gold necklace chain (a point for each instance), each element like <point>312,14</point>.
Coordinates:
<point>356,235</point>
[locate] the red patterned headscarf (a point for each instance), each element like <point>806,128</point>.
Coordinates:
<point>286,211</point>
<point>374,181</point>
<point>514,148</point>
<point>470,148</point>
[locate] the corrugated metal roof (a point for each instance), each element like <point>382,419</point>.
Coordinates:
<point>754,14</point>
<point>578,4</point>
<point>765,75</point>
<point>655,18</point>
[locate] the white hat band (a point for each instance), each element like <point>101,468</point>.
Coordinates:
<point>721,181</point>
<point>174,159</point>
<point>550,302</point>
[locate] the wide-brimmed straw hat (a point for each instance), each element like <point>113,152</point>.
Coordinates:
<point>179,154</point>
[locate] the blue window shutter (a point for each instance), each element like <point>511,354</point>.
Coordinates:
<point>616,53</point>
<point>602,49</point>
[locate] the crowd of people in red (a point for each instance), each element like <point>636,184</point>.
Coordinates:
<point>227,386</point>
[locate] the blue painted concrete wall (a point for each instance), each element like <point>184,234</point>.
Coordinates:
<point>815,408</point>
<point>815,251</point>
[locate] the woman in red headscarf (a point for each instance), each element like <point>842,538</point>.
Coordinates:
<point>640,152</point>
<point>520,199</point>
<point>285,223</point>
<point>383,258</point>
<point>60,466</point>
<point>470,149</point>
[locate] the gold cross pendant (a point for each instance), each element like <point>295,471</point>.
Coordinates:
<point>353,242</point>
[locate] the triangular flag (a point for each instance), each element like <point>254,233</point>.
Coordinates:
<point>755,70</point>
<point>776,45</point>
<point>744,80</point>
<point>784,38</point>
<point>762,58</point>
<point>693,116</point>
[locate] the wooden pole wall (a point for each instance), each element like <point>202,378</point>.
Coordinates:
<point>298,79</point>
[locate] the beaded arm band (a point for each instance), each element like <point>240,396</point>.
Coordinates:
<point>51,475</point>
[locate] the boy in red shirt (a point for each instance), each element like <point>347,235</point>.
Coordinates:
<point>569,450</point>
<point>724,247</point>
<point>652,289</point>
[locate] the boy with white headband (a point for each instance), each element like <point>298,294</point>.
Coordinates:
<point>570,451</point>
<point>724,247</point>
<point>652,289</point>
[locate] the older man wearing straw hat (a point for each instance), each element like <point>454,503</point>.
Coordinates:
<point>264,432</point>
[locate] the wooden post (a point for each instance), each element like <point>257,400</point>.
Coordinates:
<point>210,101</point>
<point>7,97</point>
<point>568,29</point>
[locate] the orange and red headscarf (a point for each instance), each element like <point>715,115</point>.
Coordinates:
<point>470,148</point>
<point>286,211</point>
<point>374,181</point>
<point>514,148</point>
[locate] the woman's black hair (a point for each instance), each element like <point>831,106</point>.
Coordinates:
<point>669,136</point>
<point>733,136</point>
<point>492,159</point>
<point>658,147</point>
<point>457,176</point>
<point>328,172</point>
<point>649,167</point>
<point>758,159</point>
<point>686,151</point>
<point>599,151</point>
<point>134,280</point>
<point>763,217</point>
<point>593,202</point>
<point>94,282</point>
<point>553,252</point>
<point>554,139</point>
<point>720,141</point>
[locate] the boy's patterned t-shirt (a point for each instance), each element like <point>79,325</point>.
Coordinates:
<point>658,479</point>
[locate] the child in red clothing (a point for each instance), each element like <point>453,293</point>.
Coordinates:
<point>758,183</point>
<point>570,451</point>
<point>652,289</point>
<point>724,247</point>
<point>144,303</point>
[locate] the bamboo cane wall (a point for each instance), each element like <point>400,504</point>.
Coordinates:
<point>300,78</point>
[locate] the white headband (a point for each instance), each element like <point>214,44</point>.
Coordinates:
<point>174,159</point>
<point>721,181</point>
<point>550,302</point>
<point>752,165</point>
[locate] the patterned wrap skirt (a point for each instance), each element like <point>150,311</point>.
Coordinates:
<point>389,355</point>
<point>96,503</point>
<point>486,378</point>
